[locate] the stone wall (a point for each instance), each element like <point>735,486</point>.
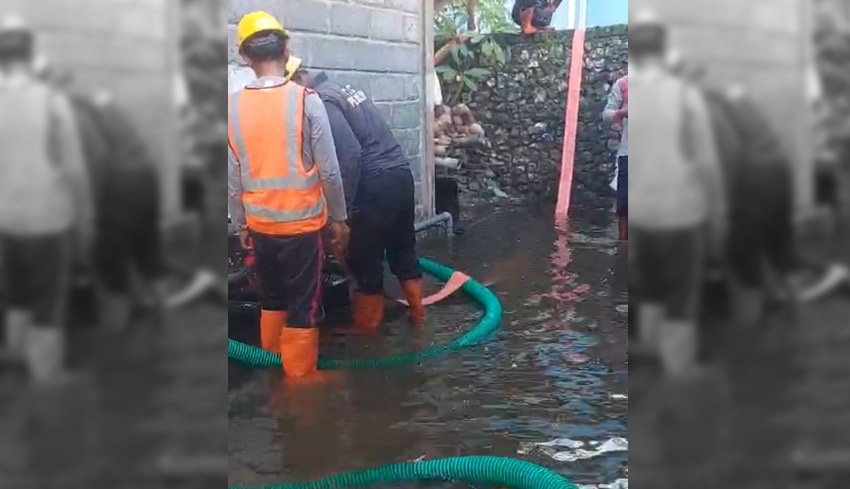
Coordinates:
<point>522,109</point>
<point>126,46</point>
<point>375,45</point>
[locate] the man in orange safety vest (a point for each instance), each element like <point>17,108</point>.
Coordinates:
<point>285,189</point>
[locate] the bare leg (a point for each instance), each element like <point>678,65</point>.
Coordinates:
<point>527,16</point>
<point>678,347</point>
<point>650,317</point>
<point>18,324</point>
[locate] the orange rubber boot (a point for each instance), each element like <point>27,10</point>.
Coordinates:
<point>527,16</point>
<point>271,323</point>
<point>367,311</point>
<point>413,294</point>
<point>299,348</point>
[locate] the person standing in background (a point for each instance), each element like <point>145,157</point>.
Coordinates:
<point>46,206</point>
<point>617,112</point>
<point>678,192</point>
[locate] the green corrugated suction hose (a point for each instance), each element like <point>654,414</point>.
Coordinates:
<point>515,474</point>
<point>257,357</point>
<point>505,472</point>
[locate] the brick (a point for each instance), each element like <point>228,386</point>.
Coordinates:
<point>237,8</point>
<point>299,45</point>
<point>388,87</point>
<point>416,168</point>
<point>350,20</point>
<point>333,53</point>
<point>386,57</point>
<point>412,29</point>
<point>407,115</point>
<point>413,88</point>
<point>372,3</point>
<point>386,25</point>
<point>411,6</point>
<point>409,140</point>
<point>303,15</point>
<point>386,111</point>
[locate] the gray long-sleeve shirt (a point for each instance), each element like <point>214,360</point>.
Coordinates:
<point>318,151</point>
<point>675,177</point>
<point>44,182</point>
<point>616,101</point>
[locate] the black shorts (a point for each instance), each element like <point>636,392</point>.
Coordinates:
<point>35,274</point>
<point>623,186</point>
<point>667,266</point>
<point>384,222</point>
<point>290,273</point>
<point>128,238</point>
<point>762,225</point>
<point>194,195</point>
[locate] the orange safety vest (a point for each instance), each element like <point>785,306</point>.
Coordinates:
<point>281,195</point>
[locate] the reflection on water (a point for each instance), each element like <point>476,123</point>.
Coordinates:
<point>556,370</point>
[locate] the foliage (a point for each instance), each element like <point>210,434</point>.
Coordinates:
<point>471,63</point>
<point>492,16</point>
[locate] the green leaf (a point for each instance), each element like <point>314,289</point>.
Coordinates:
<point>476,39</point>
<point>455,56</point>
<point>464,51</point>
<point>446,70</point>
<point>487,49</point>
<point>471,84</point>
<point>477,72</point>
<point>500,55</point>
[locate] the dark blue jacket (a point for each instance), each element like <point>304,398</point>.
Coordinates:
<point>365,145</point>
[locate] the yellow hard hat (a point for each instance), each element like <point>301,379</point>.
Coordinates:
<point>292,66</point>
<point>256,22</point>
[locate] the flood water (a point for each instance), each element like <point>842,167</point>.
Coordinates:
<point>145,411</point>
<point>557,368</point>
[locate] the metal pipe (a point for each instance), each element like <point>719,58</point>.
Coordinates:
<point>444,219</point>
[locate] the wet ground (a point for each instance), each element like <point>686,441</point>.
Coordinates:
<point>557,368</point>
<point>153,393</point>
<point>774,413</point>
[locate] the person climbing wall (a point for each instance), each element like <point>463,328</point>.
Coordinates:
<point>534,15</point>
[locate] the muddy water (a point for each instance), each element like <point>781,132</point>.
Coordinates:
<point>151,393</point>
<point>557,368</point>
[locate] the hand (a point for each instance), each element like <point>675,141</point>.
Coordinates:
<point>338,235</point>
<point>461,38</point>
<point>622,113</point>
<point>245,240</point>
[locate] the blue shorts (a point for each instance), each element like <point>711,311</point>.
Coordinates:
<point>623,186</point>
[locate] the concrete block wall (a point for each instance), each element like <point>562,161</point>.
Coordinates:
<point>375,45</point>
<point>765,44</point>
<point>127,46</point>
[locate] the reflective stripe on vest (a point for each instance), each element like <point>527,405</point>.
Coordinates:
<point>265,133</point>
